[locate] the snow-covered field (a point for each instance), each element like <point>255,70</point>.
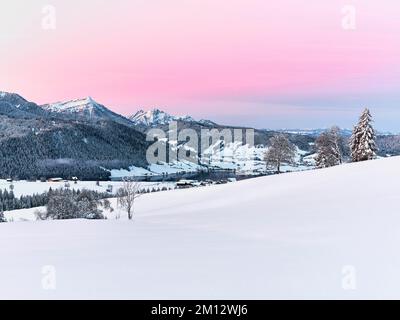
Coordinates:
<point>331,233</point>
<point>234,156</point>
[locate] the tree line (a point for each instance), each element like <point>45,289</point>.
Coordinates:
<point>8,200</point>
<point>51,199</point>
<point>330,146</point>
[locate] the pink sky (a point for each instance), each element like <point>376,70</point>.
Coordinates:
<point>224,60</point>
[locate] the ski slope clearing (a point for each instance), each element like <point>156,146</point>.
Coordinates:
<point>331,233</point>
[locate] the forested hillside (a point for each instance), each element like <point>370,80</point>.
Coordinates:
<point>36,143</point>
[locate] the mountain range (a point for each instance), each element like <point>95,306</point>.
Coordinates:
<point>58,140</point>
<point>86,139</point>
<point>88,109</point>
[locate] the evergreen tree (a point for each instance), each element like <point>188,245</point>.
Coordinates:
<point>362,142</point>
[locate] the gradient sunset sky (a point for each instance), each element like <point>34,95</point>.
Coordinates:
<point>268,64</point>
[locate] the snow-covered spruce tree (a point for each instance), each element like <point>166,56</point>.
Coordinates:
<point>362,142</point>
<point>2,217</point>
<point>281,150</point>
<point>329,148</point>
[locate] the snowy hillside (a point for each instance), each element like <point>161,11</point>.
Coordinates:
<point>331,233</point>
<point>244,159</point>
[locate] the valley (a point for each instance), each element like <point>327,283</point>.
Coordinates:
<point>83,138</point>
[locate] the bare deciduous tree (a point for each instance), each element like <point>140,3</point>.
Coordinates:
<point>127,194</point>
<point>330,147</point>
<point>281,150</point>
<point>338,142</point>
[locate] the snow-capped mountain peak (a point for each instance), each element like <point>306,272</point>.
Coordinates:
<point>206,122</point>
<point>151,117</point>
<point>86,108</point>
<point>156,117</point>
<point>78,105</point>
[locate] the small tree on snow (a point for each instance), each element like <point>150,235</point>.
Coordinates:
<point>362,142</point>
<point>329,148</point>
<point>281,150</point>
<point>127,194</point>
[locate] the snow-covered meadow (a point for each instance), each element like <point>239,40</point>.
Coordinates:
<point>329,233</point>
